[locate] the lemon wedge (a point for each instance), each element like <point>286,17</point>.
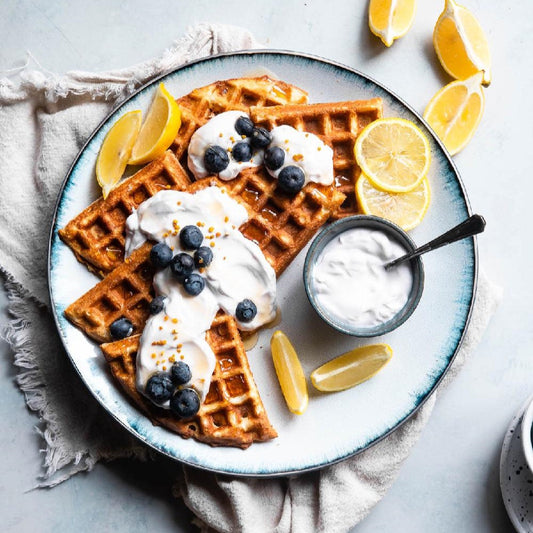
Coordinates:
<point>455,111</point>
<point>352,368</point>
<point>116,149</point>
<point>390,19</point>
<point>159,128</point>
<point>393,153</point>
<point>290,373</point>
<point>405,209</point>
<point>460,43</point>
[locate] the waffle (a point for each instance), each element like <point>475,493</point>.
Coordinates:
<point>96,235</point>
<point>281,225</point>
<point>239,94</point>
<point>338,124</point>
<point>232,413</point>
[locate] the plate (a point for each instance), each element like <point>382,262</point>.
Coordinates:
<point>335,426</point>
<point>516,480</point>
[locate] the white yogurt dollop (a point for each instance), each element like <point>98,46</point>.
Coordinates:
<point>306,151</point>
<point>220,131</point>
<point>239,270</point>
<point>352,283</point>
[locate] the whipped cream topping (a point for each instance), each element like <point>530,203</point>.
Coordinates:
<point>239,270</point>
<point>352,283</point>
<point>306,151</point>
<point>220,131</point>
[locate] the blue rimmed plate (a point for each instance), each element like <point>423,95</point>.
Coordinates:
<point>335,426</point>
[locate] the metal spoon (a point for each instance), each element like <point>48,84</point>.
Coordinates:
<point>471,226</point>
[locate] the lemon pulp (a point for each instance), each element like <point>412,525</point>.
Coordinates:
<point>394,154</point>
<point>159,128</point>
<point>352,368</point>
<point>455,111</point>
<point>390,19</point>
<point>116,149</point>
<point>290,373</point>
<point>404,209</point>
<point>460,43</point>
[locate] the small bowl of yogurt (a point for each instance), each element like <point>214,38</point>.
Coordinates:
<point>346,281</point>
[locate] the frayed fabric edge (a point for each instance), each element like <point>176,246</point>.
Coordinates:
<point>58,465</point>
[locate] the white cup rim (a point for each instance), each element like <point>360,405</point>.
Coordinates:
<point>525,433</point>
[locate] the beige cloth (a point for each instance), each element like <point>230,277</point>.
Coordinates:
<point>44,121</point>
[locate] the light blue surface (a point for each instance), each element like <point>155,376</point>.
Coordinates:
<point>450,481</point>
<point>384,402</point>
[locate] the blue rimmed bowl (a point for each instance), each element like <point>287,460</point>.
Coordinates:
<point>396,234</point>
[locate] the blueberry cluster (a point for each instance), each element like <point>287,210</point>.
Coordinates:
<point>291,179</point>
<point>182,265</point>
<point>216,159</point>
<point>169,386</point>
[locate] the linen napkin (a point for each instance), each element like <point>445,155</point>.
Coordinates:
<point>44,121</point>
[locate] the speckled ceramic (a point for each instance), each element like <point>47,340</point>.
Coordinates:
<point>332,231</point>
<point>516,479</point>
<point>335,426</point>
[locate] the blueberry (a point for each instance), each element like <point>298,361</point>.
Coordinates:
<point>291,179</point>
<point>159,387</point>
<point>216,159</point>
<point>191,237</point>
<point>121,328</point>
<point>157,305</point>
<point>180,373</point>
<point>246,311</point>
<point>244,126</point>
<point>203,257</point>
<point>185,403</point>
<point>274,158</point>
<point>261,138</point>
<point>160,255</point>
<point>242,152</point>
<point>194,284</point>
<point>181,265</point>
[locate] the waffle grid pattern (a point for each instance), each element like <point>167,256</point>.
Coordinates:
<point>125,292</point>
<point>338,124</point>
<point>238,94</point>
<point>232,414</point>
<point>96,235</point>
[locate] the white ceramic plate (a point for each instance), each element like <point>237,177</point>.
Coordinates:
<point>334,426</point>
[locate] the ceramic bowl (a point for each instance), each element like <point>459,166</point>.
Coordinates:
<point>392,231</point>
<point>526,429</point>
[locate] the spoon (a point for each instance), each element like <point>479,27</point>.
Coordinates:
<point>471,226</point>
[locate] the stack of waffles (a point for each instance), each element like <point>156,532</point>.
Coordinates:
<point>233,413</point>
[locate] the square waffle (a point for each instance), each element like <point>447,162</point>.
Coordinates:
<point>338,124</point>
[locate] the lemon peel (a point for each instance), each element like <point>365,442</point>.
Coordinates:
<point>116,149</point>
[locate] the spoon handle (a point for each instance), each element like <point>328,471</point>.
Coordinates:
<point>471,226</point>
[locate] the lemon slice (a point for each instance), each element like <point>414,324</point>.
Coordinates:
<point>116,149</point>
<point>460,43</point>
<point>456,110</point>
<point>352,368</point>
<point>290,373</point>
<point>390,19</point>
<point>405,209</point>
<point>159,128</point>
<point>393,153</point>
